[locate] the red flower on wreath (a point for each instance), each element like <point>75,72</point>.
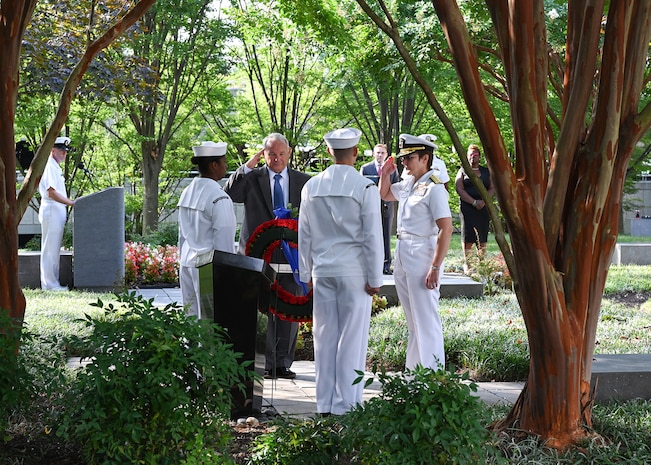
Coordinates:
<point>261,244</point>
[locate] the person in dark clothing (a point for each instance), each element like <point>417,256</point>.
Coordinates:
<point>473,212</point>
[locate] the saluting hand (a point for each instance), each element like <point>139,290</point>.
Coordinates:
<point>389,166</point>
<point>255,159</point>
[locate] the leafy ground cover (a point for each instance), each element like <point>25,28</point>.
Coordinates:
<point>485,338</point>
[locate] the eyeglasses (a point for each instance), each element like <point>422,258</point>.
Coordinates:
<point>407,158</point>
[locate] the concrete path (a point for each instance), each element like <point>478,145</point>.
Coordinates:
<point>297,397</point>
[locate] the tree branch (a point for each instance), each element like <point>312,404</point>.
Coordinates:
<point>40,159</point>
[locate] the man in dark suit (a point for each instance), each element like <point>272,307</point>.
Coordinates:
<point>372,170</point>
<point>261,189</point>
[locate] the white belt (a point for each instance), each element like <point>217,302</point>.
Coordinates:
<point>411,237</point>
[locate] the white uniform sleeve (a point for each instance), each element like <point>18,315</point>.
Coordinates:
<point>224,224</point>
<point>373,240</point>
<point>49,179</point>
<point>439,203</point>
<point>304,239</point>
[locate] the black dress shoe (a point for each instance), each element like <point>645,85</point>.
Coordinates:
<point>285,373</point>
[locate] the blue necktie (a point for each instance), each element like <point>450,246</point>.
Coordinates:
<point>279,198</point>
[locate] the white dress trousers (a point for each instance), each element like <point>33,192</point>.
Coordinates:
<point>52,216</point>
<point>420,304</point>
<point>340,323</point>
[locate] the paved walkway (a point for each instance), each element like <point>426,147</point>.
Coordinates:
<point>297,397</point>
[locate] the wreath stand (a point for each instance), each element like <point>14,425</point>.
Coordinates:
<point>267,238</point>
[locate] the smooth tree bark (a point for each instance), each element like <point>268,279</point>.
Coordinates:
<point>560,186</point>
<point>15,16</point>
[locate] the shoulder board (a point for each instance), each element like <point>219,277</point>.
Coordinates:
<point>435,179</point>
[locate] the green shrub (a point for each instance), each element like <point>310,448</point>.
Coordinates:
<point>34,243</point>
<point>27,370</point>
<point>491,270</point>
<point>156,390</point>
<point>297,442</point>
<point>422,416</point>
<point>15,380</point>
<point>167,234</point>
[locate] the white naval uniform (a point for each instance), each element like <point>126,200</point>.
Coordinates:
<point>52,216</point>
<point>420,203</point>
<point>206,222</point>
<point>341,249</point>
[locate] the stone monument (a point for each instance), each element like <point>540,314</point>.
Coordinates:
<point>98,240</point>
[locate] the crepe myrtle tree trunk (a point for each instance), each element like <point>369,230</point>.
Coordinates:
<point>16,15</point>
<point>560,186</point>
<point>561,196</point>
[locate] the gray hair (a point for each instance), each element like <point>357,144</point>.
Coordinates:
<point>275,136</point>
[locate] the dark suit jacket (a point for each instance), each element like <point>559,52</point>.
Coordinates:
<point>254,191</point>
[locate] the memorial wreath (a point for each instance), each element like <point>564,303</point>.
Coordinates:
<point>261,244</point>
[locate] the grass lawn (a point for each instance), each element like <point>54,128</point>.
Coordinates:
<point>485,337</point>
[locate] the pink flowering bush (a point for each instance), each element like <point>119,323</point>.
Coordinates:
<point>146,264</point>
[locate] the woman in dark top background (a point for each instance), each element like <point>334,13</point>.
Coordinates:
<point>473,212</point>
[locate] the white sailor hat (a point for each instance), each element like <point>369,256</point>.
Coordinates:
<point>410,144</point>
<point>209,149</point>
<point>430,137</point>
<point>62,143</point>
<point>342,138</point>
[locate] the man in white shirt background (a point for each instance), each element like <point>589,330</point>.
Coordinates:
<point>52,214</point>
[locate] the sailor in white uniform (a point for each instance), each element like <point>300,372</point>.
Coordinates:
<point>424,231</point>
<point>206,219</point>
<point>52,214</point>
<point>341,253</point>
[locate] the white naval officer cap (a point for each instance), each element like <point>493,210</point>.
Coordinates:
<point>209,149</point>
<point>409,144</point>
<point>62,143</point>
<point>430,137</point>
<point>342,138</point>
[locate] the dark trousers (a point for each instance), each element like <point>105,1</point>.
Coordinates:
<point>281,334</point>
<point>388,210</point>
